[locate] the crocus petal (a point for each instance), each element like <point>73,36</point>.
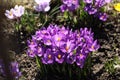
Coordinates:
<point>47,8</point>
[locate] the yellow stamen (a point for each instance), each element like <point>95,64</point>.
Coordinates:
<point>49,56</point>
<point>10,13</point>
<point>58,39</point>
<point>59,56</point>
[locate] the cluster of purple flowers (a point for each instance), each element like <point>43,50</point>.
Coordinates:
<point>69,5</point>
<point>14,69</point>
<point>93,8</point>
<point>55,44</point>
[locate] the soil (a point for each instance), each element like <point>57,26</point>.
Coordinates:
<point>110,48</point>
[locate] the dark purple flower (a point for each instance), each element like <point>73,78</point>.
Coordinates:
<point>63,8</point>
<point>2,67</point>
<point>88,1</point>
<point>32,52</point>
<point>13,67</point>
<point>69,5</point>
<point>48,57</point>
<point>15,70</point>
<point>71,58</point>
<point>103,16</point>
<point>68,47</point>
<point>99,3</point>
<point>32,43</point>
<point>90,9</point>
<point>59,57</point>
<point>80,59</point>
<point>40,51</point>
<point>94,46</point>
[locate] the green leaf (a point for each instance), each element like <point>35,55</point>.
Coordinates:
<point>37,61</point>
<point>65,14</point>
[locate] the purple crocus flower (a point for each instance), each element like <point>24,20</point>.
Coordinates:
<point>42,5</point>
<point>68,47</point>
<point>14,68</point>
<point>39,35</point>
<point>59,56</point>
<point>47,40</point>
<point>71,2</point>
<point>32,43</point>
<point>48,57</point>
<point>88,1</point>
<point>32,52</point>
<point>71,58</point>
<point>40,51</point>
<point>69,5</point>
<point>2,67</point>
<point>58,40</point>
<point>103,16</point>
<point>64,31</point>
<point>80,59</point>
<point>63,8</point>
<point>91,10</point>
<point>101,3</point>
<point>94,46</point>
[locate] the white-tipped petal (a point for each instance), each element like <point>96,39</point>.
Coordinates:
<point>47,8</point>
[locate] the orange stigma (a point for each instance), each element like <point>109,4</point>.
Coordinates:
<point>66,48</point>
<point>92,47</point>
